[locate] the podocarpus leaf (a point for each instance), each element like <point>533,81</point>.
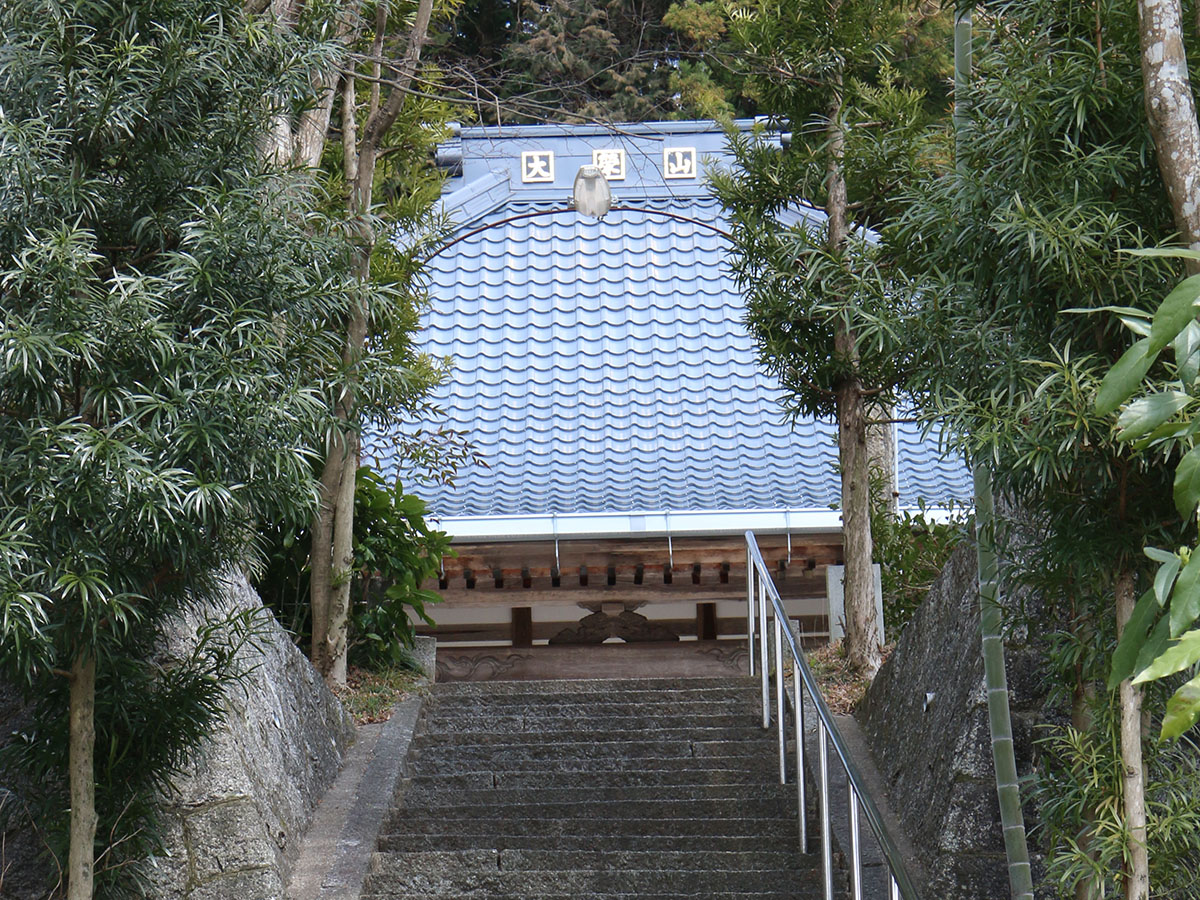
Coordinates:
<point>1183,709</point>
<point>1168,252</point>
<point>1125,377</point>
<point>1132,639</point>
<point>1183,653</point>
<point>1187,483</point>
<point>1147,413</point>
<point>1186,347</point>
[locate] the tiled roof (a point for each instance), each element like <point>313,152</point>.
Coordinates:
<point>604,366</point>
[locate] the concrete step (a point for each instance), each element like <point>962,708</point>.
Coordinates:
<point>778,840</point>
<point>595,777</point>
<point>433,794</point>
<point>670,808</point>
<point>639,895</point>
<point>593,789</point>
<point>491,860</point>
<point>530,721</point>
<point>577,732</point>
<point>497,823</point>
<point>561,687</point>
<point>394,872</point>
<point>677,711</point>
<point>603,762</point>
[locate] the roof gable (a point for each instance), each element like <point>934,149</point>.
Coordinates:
<point>604,367</point>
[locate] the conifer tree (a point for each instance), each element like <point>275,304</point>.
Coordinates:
<point>818,299</point>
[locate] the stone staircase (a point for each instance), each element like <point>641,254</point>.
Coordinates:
<point>649,788</point>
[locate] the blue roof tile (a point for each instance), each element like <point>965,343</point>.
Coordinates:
<point>604,366</point>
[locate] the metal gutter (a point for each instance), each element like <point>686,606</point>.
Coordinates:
<point>648,523</point>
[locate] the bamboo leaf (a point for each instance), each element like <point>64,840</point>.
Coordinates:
<point>1183,653</point>
<point>1169,252</point>
<point>1124,377</point>
<point>1183,709</point>
<point>1147,413</point>
<point>1125,656</point>
<point>1187,483</point>
<point>1176,310</point>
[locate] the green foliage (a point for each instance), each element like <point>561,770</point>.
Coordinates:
<point>151,715</point>
<point>564,60</point>
<point>397,551</point>
<point>1161,638</point>
<point>802,61</point>
<point>911,548</point>
<point>1051,181</point>
<point>163,300</point>
<point>1079,780</point>
<point>1008,245</point>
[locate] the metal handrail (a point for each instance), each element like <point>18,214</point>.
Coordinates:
<point>758,576</point>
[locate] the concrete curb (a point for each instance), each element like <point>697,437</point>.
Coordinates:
<point>335,852</point>
<point>372,802</point>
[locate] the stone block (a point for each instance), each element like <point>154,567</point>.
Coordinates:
<point>969,877</point>
<point>227,838</point>
<point>425,651</point>
<point>260,885</point>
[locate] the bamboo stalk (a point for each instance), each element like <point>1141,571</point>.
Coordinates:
<point>1008,791</point>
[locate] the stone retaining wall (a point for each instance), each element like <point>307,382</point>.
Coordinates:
<point>925,717</point>
<point>236,821</point>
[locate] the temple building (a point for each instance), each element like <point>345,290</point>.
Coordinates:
<point>627,435</point>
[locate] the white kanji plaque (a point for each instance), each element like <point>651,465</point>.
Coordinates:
<point>537,166</point>
<point>679,162</point>
<point>610,161</point>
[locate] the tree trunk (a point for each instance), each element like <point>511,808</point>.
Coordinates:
<point>862,620</point>
<point>881,451</point>
<point>320,562</point>
<point>1133,774</point>
<point>1089,887</point>
<point>333,527</point>
<point>1171,110</point>
<point>337,636</point>
<point>82,742</point>
<point>858,587</point>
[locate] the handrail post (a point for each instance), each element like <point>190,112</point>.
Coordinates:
<point>855,842</point>
<point>750,573</point>
<point>762,650</point>
<point>826,843</point>
<point>779,723</point>
<point>802,799</point>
